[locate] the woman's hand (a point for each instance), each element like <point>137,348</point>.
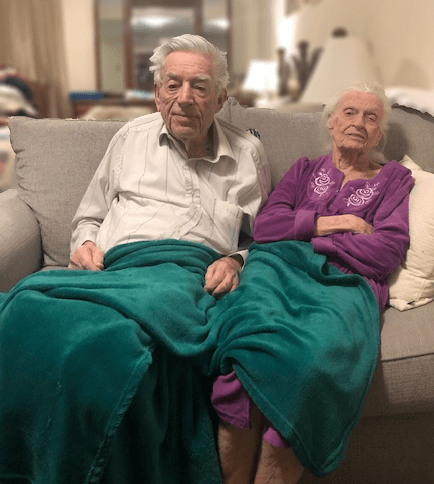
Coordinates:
<point>342,223</point>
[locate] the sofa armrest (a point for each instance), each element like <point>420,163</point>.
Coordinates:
<point>20,241</point>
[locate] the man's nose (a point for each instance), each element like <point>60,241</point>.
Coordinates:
<point>185,94</point>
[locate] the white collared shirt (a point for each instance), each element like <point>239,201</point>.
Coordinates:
<point>146,188</point>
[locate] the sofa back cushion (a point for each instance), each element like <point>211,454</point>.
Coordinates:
<point>56,159</point>
<point>288,137</point>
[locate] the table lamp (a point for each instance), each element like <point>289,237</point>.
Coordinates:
<point>261,78</point>
<point>344,60</point>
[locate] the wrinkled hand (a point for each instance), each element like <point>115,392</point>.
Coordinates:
<point>332,224</point>
<point>222,276</point>
<point>87,256</point>
<point>359,226</point>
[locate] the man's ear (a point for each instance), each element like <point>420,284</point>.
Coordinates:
<point>222,98</point>
<point>157,96</point>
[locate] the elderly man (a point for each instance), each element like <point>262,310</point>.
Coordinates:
<point>180,174</point>
<point>110,358</point>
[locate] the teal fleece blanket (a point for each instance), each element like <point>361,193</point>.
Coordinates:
<point>91,361</point>
<point>303,340</point>
<point>77,350</point>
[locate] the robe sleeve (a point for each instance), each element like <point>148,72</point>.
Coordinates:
<point>376,255</point>
<point>279,220</point>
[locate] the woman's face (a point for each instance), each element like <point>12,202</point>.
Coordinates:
<point>356,123</point>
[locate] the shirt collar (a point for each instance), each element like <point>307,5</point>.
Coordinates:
<point>222,147</point>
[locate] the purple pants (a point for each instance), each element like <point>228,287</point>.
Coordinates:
<point>232,404</point>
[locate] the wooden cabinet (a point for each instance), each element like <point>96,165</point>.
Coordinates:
<point>127,32</point>
<point>81,106</point>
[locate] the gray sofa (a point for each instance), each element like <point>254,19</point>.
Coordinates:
<point>394,441</point>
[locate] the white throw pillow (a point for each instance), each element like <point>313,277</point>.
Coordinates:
<point>412,284</point>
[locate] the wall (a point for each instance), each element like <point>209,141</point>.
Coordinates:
<point>78,26</point>
<point>399,32</point>
<point>317,21</point>
<point>254,37</point>
<point>254,32</point>
<point>404,41</point>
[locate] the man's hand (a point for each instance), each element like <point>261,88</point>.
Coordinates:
<point>87,256</point>
<point>222,276</point>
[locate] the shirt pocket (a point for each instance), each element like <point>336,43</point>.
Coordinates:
<point>227,222</point>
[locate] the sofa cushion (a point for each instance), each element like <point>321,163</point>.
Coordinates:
<point>286,138</point>
<point>56,158</point>
<point>412,284</point>
<point>55,161</point>
<point>404,381</point>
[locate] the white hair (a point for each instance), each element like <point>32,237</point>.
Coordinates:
<point>191,43</point>
<point>376,153</point>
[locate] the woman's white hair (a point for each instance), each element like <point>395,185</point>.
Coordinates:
<point>376,153</point>
<point>191,43</point>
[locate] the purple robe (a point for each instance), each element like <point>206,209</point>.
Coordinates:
<point>313,188</point>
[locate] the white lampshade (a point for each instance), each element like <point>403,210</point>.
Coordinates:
<point>344,60</point>
<point>261,76</point>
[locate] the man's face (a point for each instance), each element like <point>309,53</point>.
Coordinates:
<point>187,98</point>
<point>355,125</point>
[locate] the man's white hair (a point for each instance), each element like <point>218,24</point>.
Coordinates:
<point>376,153</point>
<point>191,43</point>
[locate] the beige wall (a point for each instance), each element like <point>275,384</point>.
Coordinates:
<point>404,41</point>
<point>254,37</point>
<point>254,32</point>
<point>399,32</point>
<point>79,41</point>
<point>316,22</point>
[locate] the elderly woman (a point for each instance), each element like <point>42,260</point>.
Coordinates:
<point>314,285</point>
